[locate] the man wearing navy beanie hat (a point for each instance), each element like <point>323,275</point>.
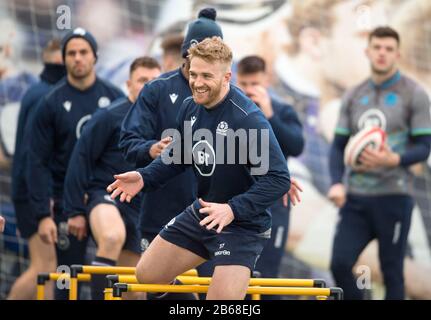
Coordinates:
<point>56,126</point>
<point>204,27</point>
<point>79,33</point>
<point>141,138</point>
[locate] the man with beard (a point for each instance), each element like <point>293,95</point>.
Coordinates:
<point>57,125</point>
<point>378,201</point>
<point>228,222</point>
<point>141,137</point>
<point>95,159</point>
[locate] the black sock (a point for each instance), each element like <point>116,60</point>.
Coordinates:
<point>171,295</point>
<point>98,281</point>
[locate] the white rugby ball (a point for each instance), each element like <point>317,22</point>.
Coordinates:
<point>372,137</point>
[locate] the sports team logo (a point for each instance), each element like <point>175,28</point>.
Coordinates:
<point>108,198</point>
<point>222,128</point>
<point>193,120</point>
<point>170,223</point>
<point>63,238</point>
<point>144,244</point>
<point>104,102</point>
<point>67,105</point>
<point>80,125</point>
<point>204,158</point>
<point>79,31</point>
<point>372,118</point>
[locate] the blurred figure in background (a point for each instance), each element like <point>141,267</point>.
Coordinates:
<point>171,56</point>
<point>96,158</point>
<point>42,256</point>
<point>57,125</point>
<point>377,202</point>
<point>252,78</point>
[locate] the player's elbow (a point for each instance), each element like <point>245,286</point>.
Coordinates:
<point>283,183</point>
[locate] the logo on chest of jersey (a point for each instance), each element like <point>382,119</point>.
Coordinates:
<point>222,128</point>
<point>67,105</point>
<point>81,124</point>
<point>204,158</point>
<point>193,120</point>
<point>372,118</point>
<point>103,102</point>
<point>173,97</point>
<point>391,99</point>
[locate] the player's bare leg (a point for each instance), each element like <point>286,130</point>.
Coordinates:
<point>109,232</point>
<point>130,259</point>
<point>229,283</point>
<point>163,261</point>
<point>42,259</point>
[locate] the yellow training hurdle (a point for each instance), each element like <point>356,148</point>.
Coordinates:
<point>82,273</point>
<point>120,288</point>
<point>76,269</point>
<point>255,283</point>
<point>42,278</point>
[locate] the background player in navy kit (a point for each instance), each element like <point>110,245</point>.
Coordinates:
<point>42,256</point>
<point>231,225</point>
<point>95,159</point>
<point>378,203</point>
<point>156,110</point>
<point>172,57</point>
<point>57,125</point>
<point>253,80</point>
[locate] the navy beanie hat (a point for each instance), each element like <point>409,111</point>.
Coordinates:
<point>79,33</point>
<point>203,27</point>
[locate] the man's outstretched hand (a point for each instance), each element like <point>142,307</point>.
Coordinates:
<point>127,185</point>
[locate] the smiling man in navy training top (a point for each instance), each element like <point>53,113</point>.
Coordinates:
<point>141,138</point>
<point>229,222</point>
<point>57,125</point>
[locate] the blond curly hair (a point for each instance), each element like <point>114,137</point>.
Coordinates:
<point>211,50</point>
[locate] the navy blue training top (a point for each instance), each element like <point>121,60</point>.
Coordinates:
<point>96,158</point>
<point>50,75</point>
<point>248,195</point>
<point>155,110</point>
<point>57,125</point>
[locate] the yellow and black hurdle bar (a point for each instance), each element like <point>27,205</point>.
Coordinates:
<point>192,282</point>
<point>334,293</point>
<point>82,273</point>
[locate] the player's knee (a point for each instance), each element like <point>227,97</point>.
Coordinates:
<point>112,241</point>
<point>43,260</point>
<point>145,274</point>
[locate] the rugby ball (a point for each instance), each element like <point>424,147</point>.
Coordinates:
<point>373,137</point>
